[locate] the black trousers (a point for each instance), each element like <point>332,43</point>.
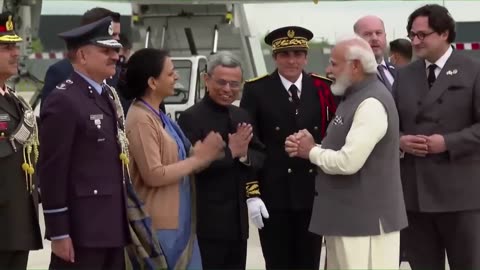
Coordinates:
<point>287,243</point>
<point>91,259</point>
<point>429,235</point>
<point>223,254</point>
<point>13,260</point>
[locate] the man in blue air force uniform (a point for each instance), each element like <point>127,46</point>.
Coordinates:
<point>81,171</point>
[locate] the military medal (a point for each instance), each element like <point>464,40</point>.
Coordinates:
<point>97,120</point>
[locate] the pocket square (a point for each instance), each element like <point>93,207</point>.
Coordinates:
<point>338,120</point>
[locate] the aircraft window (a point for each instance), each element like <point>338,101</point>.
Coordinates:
<point>182,86</point>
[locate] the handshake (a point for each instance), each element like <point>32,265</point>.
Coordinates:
<point>299,144</point>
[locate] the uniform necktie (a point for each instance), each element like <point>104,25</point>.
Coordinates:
<point>383,77</point>
<point>294,92</point>
<point>431,75</point>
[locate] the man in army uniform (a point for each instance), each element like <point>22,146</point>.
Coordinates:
<point>83,162</point>
<point>280,103</point>
<point>19,228</point>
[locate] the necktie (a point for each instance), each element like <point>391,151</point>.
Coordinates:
<point>383,77</point>
<point>294,92</point>
<point>431,75</point>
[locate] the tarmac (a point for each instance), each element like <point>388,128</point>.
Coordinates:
<point>39,260</point>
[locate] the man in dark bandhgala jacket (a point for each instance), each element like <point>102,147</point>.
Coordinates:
<point>224,188</point>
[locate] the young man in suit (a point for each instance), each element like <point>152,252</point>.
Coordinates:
<point>280,104</point>
<point>19,228</point>
<point>224,187</point>
<point>438,100</point>
<point>82,165</point>
<point>372,29</point>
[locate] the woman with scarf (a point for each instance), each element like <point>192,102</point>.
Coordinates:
<point>162,159</point>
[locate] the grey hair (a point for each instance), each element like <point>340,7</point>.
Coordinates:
<point>224,59</point>
<point>359,49</point>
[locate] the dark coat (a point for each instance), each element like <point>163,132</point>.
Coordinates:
<point>79,167</point>
<point>287,183</point>
<point>19,228</point>
<point>444,182</point>
<point>221,188</point>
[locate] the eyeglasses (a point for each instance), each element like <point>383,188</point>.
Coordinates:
<point>223,83</point>
<point>419,35</point>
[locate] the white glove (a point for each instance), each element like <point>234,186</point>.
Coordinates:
<point>257,210</point>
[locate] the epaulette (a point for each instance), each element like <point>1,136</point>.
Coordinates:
<point>321,77</point>
<point>256,78</point>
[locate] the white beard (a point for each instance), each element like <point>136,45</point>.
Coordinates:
<point>341,84</point>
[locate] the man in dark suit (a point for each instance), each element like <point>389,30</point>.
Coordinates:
<point>82,164</point>
<point>438,100</point>
<point>222,223</point>
<point>400,52</point>
<point>281,104</point>
<point>372,29</point>
<point>19,228</point>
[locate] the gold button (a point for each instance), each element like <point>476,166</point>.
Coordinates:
<point>2,134</point>
<point>310,171</point>
<point>315,127</point>
<point>289,170</point>
<point>277,128</point>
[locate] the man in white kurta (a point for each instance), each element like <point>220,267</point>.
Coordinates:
<point>359,205</point>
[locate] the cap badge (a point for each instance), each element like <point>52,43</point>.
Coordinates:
<point>9,24</point>
<point>110,29</point>
<point>290,33</point>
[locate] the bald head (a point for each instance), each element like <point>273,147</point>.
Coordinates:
<point>372,29</point>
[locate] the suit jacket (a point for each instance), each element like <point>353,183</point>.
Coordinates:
<point>79,167</point>
<point>447,181</point>
<point>19,228</point>
<point>286,183</point>
<point>221,188</point>
<point>391,68</point>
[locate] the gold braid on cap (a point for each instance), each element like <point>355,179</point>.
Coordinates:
<point>286,42</point>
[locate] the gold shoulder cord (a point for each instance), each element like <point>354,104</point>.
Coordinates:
<point>31,145</point>
<point>121,135</point>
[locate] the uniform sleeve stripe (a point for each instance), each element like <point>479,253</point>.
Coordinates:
<point>54,211</point>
